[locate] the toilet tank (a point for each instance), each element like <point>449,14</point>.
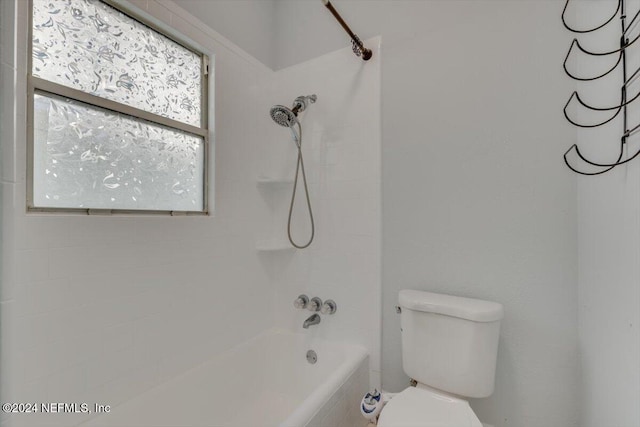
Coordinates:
<point>449,342</point>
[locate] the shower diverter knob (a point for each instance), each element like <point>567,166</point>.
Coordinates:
<point>315,304</point>
<point>329,307</point>
<point>301,302</point>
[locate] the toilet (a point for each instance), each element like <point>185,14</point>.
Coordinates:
<point>449,347</point>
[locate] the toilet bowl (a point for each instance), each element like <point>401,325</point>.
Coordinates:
<point>449,347</point>
<point>422,406</point>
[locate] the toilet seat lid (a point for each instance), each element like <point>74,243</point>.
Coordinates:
<point>418,407</point>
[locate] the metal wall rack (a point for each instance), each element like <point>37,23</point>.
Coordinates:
<point>622,107</point>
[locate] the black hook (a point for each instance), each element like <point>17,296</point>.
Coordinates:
<point>564,22</point>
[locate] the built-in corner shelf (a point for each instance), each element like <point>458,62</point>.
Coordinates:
<point>273,246</point>
<point>270,182</point>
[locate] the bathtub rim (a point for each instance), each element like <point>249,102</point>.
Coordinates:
<point>356,354</point>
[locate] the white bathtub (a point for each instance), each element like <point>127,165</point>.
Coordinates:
<point>266,381</point>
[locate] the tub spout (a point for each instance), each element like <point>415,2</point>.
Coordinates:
<point>314,319</point>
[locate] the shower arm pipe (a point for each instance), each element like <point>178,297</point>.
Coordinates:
<point>358,46</point>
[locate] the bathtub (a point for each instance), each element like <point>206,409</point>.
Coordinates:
<point>264,382</point>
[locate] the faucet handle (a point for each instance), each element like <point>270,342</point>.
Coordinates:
<point>301,302</point>
<point>315,304</point>
<point>329,307</point>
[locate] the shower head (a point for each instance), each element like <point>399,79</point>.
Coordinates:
<point>287,117</point>
<point>283,116</point>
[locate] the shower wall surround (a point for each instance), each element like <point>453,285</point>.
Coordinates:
<point>341,143</point>
<point>100,308</point>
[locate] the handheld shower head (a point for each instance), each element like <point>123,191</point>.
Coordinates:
<point>283,116</point>
<point>287,117</point>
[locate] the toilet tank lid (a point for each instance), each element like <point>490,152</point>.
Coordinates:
<point>464,308</point>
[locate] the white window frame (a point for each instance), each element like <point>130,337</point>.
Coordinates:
<point>36,84</point>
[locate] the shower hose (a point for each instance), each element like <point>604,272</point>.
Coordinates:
<point>299,168</point>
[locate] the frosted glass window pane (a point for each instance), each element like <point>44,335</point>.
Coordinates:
<point>88,157</point>
<point>90,46</point>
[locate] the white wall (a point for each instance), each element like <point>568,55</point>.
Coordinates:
<point>341,145</point>
<point>99,308</point>
<point>306,29</point>
<point>609,232</point>
<point>476,199</point>
<point>6,75</point>
<point>248,23</point>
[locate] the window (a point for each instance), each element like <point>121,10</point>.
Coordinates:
<point>118,113</point>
